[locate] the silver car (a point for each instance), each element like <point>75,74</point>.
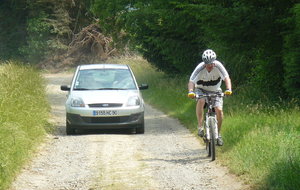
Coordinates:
<point>104,96</point>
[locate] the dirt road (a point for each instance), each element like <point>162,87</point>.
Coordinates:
<point>166,157</point>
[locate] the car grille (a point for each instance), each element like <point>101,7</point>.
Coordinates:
<point>105,105</point>
<point>121,119</point>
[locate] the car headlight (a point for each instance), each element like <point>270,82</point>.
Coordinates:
<point>77,102</point>
<point>134,101</point>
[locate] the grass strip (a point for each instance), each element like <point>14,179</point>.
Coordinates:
<point>24,113</point>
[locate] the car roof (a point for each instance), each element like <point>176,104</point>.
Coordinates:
<point>102,66</point>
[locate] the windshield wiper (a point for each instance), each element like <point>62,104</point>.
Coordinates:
<point>101,88</point>
<point>112,89</point>
<point>82,89</point>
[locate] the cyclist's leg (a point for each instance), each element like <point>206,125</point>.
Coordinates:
<point>199,111</point>
<point>220,116</point>
<point>219,113</point>
<point>218,105</point>
<point>200,107</point>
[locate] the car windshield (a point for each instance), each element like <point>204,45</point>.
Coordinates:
<point>104,79</point>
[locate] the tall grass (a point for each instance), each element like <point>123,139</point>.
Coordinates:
<point>23,114</point>
<point>262,140</point>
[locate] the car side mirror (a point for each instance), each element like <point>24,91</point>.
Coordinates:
<point>65,88</point>
<point>143,87</point>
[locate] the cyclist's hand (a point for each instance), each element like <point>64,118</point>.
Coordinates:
<point>191,94</point>
<point>228,92</point>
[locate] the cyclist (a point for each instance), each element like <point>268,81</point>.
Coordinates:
<point>207,78</point>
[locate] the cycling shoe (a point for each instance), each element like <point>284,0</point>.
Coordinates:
<point>220,141</point>
<point>200,132</point>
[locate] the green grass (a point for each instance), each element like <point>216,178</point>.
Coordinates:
<point>263,145</point>
<point>262,140</point>
<point>23,116</point>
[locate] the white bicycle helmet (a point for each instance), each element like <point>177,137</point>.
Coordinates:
<point>209,56</point>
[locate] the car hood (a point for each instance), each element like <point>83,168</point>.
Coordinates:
<point>104,96</point>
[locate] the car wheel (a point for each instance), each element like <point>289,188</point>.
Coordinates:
<point>140,129</point>
<point>69,129</point>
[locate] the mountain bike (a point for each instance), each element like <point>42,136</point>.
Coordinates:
<point>210,124</point>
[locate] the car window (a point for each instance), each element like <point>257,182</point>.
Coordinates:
<point>102,79</point>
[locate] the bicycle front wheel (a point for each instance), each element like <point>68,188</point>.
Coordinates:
<point>212,142</point>
<point>208,149</point>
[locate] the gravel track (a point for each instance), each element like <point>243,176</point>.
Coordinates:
<point>166,157</point>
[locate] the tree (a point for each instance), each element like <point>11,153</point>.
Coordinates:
<point>47,29</point>
<point>12,27</point>
<point>172,35</point>
<point>165,34</point>
<point>291,55</point>
<point>34,30</point>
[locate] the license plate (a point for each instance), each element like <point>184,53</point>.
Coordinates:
<point>105,112</point>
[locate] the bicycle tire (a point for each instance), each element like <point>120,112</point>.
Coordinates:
<point>207,141</point>
<point>212,141</point>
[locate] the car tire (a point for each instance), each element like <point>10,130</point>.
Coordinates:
<point>140,129</point>
<point>69,129</point>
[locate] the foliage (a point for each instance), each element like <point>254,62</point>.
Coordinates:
<point>12,27</point>
<point>256,48</point>
<point>34,30</point>
<point>24,111</point>
<point>260,50</point>
<point>47,30</point>
<point>158,30</point>
<point>37,45</point>
<point>291,58</point>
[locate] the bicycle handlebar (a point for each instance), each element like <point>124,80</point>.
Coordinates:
<point>218,94</point>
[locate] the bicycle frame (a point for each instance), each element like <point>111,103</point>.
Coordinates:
<point>211,124</point>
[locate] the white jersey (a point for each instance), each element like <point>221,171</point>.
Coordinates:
<point>209,81</point>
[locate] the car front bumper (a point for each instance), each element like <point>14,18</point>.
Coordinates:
<point>77,121</point>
